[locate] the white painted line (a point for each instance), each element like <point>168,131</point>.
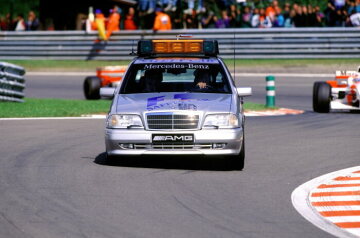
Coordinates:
<point>337,198</point>
<point>53,118</point>
<point>319,190</point>
<point>60,73</point>
<point>344,182</point>
<point>344,219</point>
<point>294,75</point>
<point>339,208</point>
<point>301,202</point>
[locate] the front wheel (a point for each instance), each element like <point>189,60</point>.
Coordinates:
<point>238,161</point>
<point>321,97</point>
<point>92,87</point>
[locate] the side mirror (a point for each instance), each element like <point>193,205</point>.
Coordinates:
<point>107,92</point>
<point>244,91</point>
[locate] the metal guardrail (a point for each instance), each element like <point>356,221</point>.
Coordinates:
<point>12,82</point>
<point>246,43</point>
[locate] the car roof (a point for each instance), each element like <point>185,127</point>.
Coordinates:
<point>207,60</point>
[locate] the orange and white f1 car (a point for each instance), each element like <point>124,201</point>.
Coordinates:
<point>108,76</point>
<point>342,93</point>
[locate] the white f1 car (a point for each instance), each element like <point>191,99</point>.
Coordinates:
<point>343,93</point>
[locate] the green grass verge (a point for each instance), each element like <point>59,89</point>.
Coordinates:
<point>35,107</point>
<point>49,107</point>
<point>78,65</point>
<point>250,106</point>
<point>65,65</point>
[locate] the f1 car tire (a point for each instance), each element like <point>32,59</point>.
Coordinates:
<point>92,87</point>
<point>321,97</point>
<point>238,161</point>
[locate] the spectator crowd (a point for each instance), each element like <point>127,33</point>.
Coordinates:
<point>30,23</point>
<point>197,14</point>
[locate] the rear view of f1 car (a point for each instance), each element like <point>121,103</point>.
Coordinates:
<point>342,93</point>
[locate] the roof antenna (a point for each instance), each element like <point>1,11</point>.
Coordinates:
<point>132,49</point>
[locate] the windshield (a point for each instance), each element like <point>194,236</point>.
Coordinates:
<point>175,77</point>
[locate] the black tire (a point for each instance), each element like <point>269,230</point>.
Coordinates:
<point>321,97</point>
<point>238,161</point>
<point>92,87</point>
<point>109,159</point>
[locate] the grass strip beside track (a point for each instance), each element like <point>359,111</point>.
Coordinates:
<point>49,107</point>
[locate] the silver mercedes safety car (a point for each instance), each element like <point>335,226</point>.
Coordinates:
<point>177,97</point>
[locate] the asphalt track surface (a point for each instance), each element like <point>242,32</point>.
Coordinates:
<point>54,181</point>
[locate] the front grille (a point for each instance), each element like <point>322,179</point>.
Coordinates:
<point>172,146</point>
<point>172,121</point>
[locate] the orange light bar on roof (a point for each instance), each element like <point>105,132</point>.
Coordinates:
<point>177,46</point>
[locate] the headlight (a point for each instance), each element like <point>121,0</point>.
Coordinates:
<point>123,121</point>
<point>221,121</point>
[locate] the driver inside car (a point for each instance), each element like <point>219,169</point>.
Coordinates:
<point>202,78</point>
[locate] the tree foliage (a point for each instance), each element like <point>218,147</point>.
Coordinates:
<point>15,7</point>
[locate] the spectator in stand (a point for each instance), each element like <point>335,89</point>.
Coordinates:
<point>32,23</point>
<point>289,22</point>
<point>355,19</point>
<point>298,19</point>
<point>235,19</point>
<point>7,24</point>
<point>255,19</point>
<point>246,17</point>
<point>191,20</point>
<point>279,20</point>
<point>305,16</point>
<point>147,6</point>
<point>162,21</point>
<point>129,21</point>
<point>339,4</point>
<point>353,7</point>
<point>319,17</point>
<point>113,22</point>
<point>2,23</point>
<point>270,10</point>
<point>312,21</point>
<point>330,14</point>
<point>169,5</point>
<point>341,16</point>
<point>207,21</point>
<point>224,21</point>
<point>265,21</point>
<point>20,23</point>
<point>286,11</point>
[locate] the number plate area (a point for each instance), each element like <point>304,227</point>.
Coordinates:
<point>172,138</point>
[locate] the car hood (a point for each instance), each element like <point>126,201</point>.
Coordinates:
<point>146,102</point>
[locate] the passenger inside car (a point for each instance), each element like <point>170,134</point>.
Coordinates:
<point>151,81</point>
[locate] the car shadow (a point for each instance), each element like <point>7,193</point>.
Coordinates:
<point>172,162</point>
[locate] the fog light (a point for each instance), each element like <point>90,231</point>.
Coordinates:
<point>218,145</point>
<point>126,146</point>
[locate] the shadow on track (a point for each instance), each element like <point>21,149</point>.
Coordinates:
<point>168,162</point>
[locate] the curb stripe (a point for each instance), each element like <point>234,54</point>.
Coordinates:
<point>335,203</point>
<point>345,193</point>
<point>339,185</point>
<point>348,224</point>
<point>340,213</point>
<point>346,178</point>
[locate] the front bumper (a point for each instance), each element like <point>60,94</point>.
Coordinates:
<point>206,142</point>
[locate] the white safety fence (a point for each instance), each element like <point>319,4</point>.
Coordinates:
<point>12,82</point>
<point>273,43</point>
